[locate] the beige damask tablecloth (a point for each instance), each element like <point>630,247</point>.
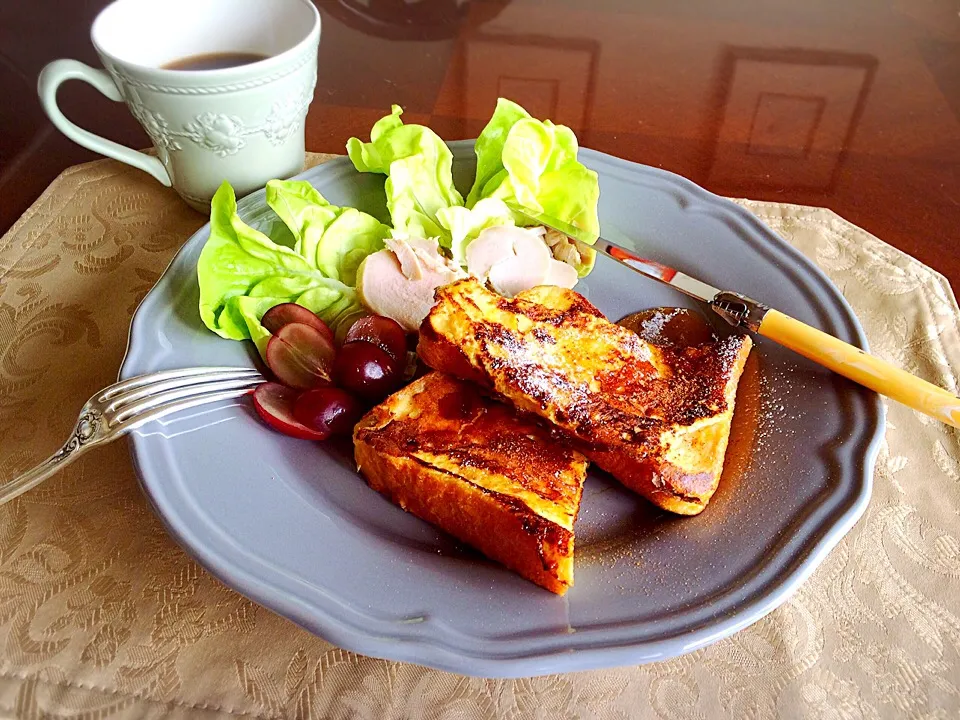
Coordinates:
<point>102,616</point>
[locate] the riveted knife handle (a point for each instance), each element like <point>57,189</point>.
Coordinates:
<point>739,310</point>
<point>862,368</point>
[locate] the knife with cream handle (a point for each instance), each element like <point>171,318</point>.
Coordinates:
<point>743,312</point>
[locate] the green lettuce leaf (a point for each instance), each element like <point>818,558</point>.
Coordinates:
<point>418,166</point>
<point>534,164</point>
<point>335,239</point>
<point>489,148</point>
<point>303,210</point>
<point>242,273</point>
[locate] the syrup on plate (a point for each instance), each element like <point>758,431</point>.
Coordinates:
<point>678,327</point>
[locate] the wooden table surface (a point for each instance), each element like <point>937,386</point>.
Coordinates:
<point>849,104</point>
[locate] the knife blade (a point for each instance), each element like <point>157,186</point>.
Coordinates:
<point>744,312</point>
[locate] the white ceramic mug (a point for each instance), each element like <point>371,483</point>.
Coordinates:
<point>244,124</point>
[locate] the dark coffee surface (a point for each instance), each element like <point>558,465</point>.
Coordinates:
<point>215,61</point>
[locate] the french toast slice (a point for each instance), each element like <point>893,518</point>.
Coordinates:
<point>655,417</point>
<point>468,464</point>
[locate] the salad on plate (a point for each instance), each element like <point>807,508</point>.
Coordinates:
<point>332,297</point>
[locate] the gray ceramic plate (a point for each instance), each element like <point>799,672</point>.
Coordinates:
<point>292,526</point>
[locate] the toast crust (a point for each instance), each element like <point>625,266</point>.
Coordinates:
<point>471,466</point>
<point>656,417</point>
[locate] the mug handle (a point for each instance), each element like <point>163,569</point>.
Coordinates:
<point>60,71</point>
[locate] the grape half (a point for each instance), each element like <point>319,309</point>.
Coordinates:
<point>274,403</point>
<point>286,313</point>
<point>381,331</point>
<point>300,356</point>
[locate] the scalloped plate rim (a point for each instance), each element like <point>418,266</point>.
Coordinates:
<point>513,661</point>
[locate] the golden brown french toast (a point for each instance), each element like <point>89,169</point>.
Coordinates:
<point>468,464</point>
<point>657,418</point>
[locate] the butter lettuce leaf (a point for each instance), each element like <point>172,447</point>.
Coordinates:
<point>534,164</point>
<point>243,273</point>
<point>489,148</point>
<point>519,160</point>
<point>335,239</point>
<point>418,166</point>
<point>303,210</point>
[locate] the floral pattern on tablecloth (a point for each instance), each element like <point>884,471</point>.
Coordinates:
<point>103,616</point>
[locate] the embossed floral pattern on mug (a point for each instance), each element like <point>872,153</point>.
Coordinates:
<point>156,126</point>
<point>284,118</point>
<point>224,134</point>
<point>219,133</point>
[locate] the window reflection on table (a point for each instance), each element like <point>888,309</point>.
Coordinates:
<point>851,105</point>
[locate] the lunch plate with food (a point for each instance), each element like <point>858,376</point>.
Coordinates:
<point>481,446</point>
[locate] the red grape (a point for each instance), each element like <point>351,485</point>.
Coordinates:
<point>300,356</point>
<point>383,332</point>
<point>345,322</point>
<point>287,313</point>
<point>366,370</point>
<point>328,409</point>
<point>274,403</point>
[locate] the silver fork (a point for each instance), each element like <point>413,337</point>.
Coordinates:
<point>126,405</point>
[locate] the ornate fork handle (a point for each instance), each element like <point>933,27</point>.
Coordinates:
<point>131,403</point>
<point>88,432</point>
